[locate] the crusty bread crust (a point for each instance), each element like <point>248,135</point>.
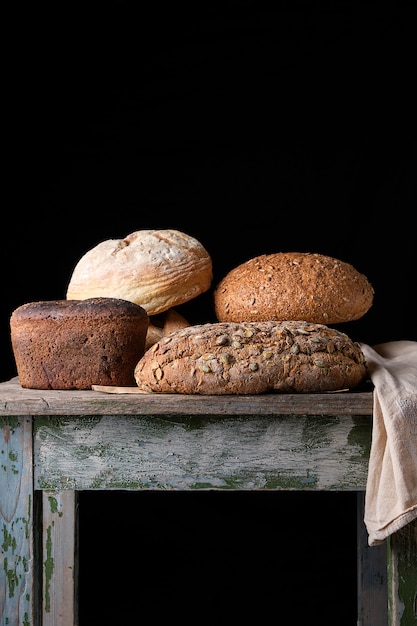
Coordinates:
<point>156,269</point>
<point>252,358</point>
<point>292,286</point>
<point>74,344</point>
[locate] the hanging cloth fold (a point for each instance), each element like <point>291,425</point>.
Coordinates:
<point>391,489</point>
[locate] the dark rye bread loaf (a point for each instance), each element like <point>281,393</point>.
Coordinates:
<point>252,358</point>
<point>293,286</point>
<point>73,344</point>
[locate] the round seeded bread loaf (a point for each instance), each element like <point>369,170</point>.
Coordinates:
<point>252,358</point>
<point>74,344</point>
<point>293,286</point>
<point>156,269</point>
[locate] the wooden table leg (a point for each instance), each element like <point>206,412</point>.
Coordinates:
<point>60,558</point>
<point>372,575</point>
<point>17,563</point>
<point>402,576</point>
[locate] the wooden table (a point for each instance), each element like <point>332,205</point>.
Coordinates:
<point>58,443</point>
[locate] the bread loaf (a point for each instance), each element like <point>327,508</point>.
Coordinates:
<point>163,324</point>
<point>293,286</point>
<point>251,358</point>
<point>73,344</point>
<point>156,269</point>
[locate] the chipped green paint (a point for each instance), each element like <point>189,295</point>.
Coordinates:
<point>57,421</point>
<point>21,562</point>
<point>9,421</point>
<point>402,573</point>
<point>56,485</point>
<point>277,483</point>
<point>49,568</point>
<point>53,505</point>
<point>16,530</point>
<point>192,452</point>
<point>227,483</point>
<point>8,540</point>
<point>28,520</point>
<point>11,576</point>
<point>13,458</point>
<point>102,482</point>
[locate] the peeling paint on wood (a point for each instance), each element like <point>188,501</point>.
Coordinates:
<point>16,522</point>
<point>402,575</point>
<point>272,452</point>
<point>59,559</point>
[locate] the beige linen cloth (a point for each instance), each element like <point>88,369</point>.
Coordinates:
<point>391,489</point>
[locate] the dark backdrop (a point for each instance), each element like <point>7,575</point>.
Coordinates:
<point>255,127</point>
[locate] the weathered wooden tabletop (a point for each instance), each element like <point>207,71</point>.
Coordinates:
<point>14,400</point>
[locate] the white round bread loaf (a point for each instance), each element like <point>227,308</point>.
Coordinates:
<point>293,286</point>
<point>156,269</point>
<point>252,358</point>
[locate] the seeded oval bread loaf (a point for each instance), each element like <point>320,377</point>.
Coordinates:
<point>156,269</point>
<point>74,344</point>
<point>293,286</point>
<point>252,358</point>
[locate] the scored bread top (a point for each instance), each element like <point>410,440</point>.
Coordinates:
<point>251,358</point>
<point>156,269</point>
<point>291,286</point>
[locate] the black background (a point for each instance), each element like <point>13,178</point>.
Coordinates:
<point>255,127</point>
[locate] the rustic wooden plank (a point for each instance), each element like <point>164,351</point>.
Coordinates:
<point>17,601</point>
<point>59,559</point>
<point>372,575</point>
<point>14,400</point>
<point>402,576</point>
<point>148,452</point>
